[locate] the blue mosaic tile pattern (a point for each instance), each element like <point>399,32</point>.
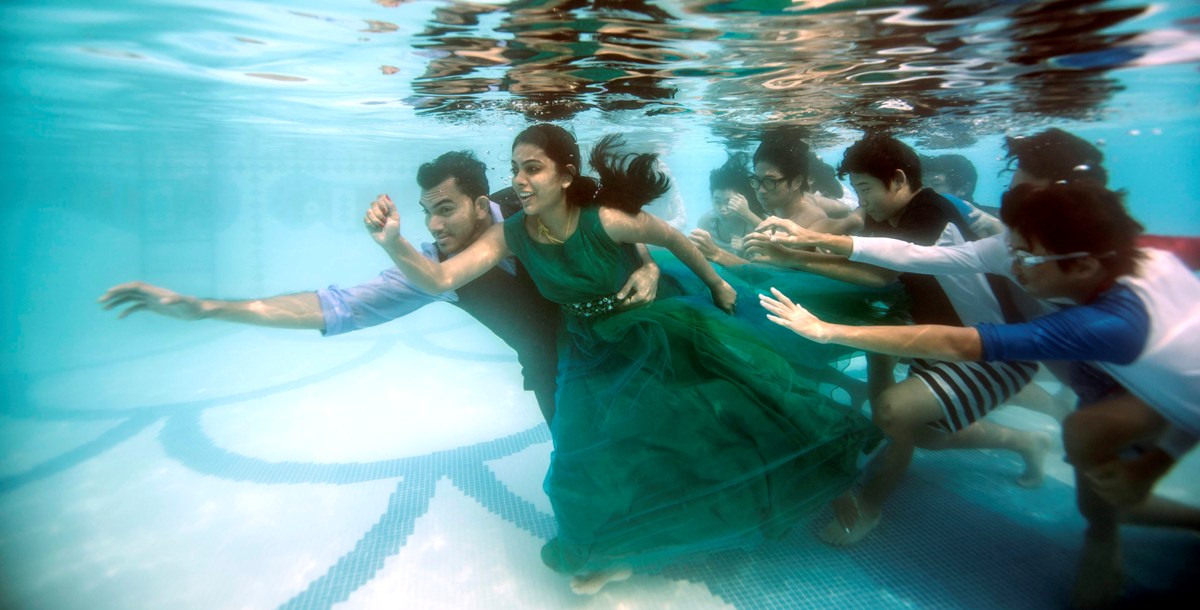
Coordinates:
<point>957,534</point>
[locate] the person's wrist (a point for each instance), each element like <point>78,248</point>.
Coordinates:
<point>833,243</point>
<point>787,253</point>
<point>204,308</point>
<point>824,333</point>
<point>394,246</point>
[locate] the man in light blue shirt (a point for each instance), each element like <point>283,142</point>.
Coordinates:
<point>454,197</point>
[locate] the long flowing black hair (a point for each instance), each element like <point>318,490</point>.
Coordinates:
<point>626,182</point>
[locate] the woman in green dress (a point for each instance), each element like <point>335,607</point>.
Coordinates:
<point>677,428</point>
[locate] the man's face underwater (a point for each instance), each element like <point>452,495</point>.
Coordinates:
<point>454,220</point>
<point>939,182</point>
<point>882,202</point>
<point>774,192</point>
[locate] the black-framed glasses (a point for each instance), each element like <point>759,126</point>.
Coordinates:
<point>768,183</point>
<point>1029,261</point>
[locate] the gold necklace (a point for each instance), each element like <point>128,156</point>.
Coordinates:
<point>544,231</point>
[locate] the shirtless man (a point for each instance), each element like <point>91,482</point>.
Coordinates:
<point>781,179</point>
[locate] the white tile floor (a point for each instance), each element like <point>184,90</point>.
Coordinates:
<point>208,466</point>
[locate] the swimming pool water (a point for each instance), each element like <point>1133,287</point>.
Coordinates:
<point>148,463</point>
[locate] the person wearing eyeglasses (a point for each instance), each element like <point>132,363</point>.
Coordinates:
<point>1135,315</point>
<point>939,405</point>
<point>782,165</point>
<point>1047,157</point>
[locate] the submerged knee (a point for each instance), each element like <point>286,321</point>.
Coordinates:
<point>887,412</point>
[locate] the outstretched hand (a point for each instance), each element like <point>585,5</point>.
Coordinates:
<point>775,240</point>
<point>641,288</point>
<point>784,312</point>
<point>761,247</point>
<point>784,232</point>
<point>984,224</point>
<point>382,221</point>
<point>139,296</point>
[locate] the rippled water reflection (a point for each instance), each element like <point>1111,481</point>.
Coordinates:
<point>860,62</point>
<point>733,65</point>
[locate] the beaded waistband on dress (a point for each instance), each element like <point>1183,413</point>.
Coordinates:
<point>594,308</point>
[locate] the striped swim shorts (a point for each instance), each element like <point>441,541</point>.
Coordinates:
<point>967,391</point>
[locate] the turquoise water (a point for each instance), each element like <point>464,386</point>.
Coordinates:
<point>228,149</point>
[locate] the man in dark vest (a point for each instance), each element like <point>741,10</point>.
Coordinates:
<point>454,196</point>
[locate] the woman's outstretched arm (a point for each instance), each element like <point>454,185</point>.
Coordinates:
<point>644,228</point>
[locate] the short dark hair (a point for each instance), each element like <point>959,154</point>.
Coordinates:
<point>785,150</point>
<point>880,155</point>
<point>1075,217</point>
<point>1057,156</point>
<point>960,172</point>
<point>735,176</point>
<point>469,173</point>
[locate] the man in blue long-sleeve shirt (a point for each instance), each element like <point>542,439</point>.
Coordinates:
<point>1136,315</point>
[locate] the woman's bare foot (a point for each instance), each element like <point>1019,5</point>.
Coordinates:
<point>850,522</point>
<point>1034,453</point>
<point>591,582</point>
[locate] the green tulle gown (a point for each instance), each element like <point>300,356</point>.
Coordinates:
<point>678,428</point>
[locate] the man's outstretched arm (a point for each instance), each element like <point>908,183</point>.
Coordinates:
<point>301,310</point>
<point>332,311</point>
<point>922,341</point>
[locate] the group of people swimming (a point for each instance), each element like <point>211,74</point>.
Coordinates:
<point>686,388</point>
